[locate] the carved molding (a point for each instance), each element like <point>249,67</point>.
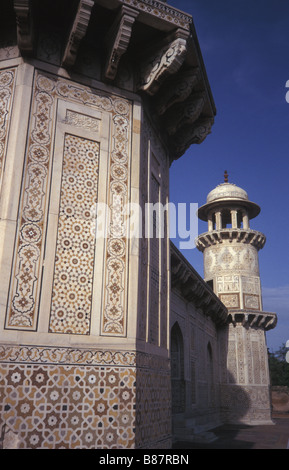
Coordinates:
<point>77,32</point>
<point>178,88</point>
<point>118,38</point>
<point>25,32</point>
<point>160,10</point>
<point>184,113</point>
<point>163,63</point>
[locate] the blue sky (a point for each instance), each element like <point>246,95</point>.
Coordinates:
<point>245,47</point>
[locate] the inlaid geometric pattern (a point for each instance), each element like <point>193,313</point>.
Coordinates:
<point>73,272</point>
<point>55,406</point>
<point>84,398</point>
<point>153,408</point>
<point>7,78</point>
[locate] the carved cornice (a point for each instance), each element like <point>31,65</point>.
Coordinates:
<point>169,74</point>
<point>25,31</point>
<point>194,289</point>
<point>77,32</point>
<point>246,236</point>
<point>158,11</point>
<point>118,38</point>
<point>252,319</point>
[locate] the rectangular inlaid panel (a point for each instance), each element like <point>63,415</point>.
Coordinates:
<point>22,306</point>
<point>251,301</point>
<point>74,261</point>
<point>256,362</point>
<point>155,266</point>
<point>7,78</point>
<point>230,300</point>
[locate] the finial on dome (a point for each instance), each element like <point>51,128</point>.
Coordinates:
<point>226,177</point>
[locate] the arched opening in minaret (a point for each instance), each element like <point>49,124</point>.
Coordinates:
<point>226,219</point>
<point>239,219</point>
<point>177,370</point>
<point>214,221</point>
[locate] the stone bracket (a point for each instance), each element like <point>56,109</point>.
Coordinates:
<point>77,32</point>
<point>184,113</point>
<point>178,88</point>
<point>25,30</point>
<point>163,63</point>
<point>118,39</point>
<point>189,135</point>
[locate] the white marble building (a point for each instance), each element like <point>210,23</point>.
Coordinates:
<point>97,349</point>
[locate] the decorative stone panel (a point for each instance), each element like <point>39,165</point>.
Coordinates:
<point>7,80</point>
<point>75,252</point>
<point>22,310</point>
<point>230,300</point>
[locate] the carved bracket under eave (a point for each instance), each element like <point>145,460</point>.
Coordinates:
<point>117,40</point>
<point>25,30</point>
<point>77,32</point>
<point>177,89</point>
<point>188,135</point>
<point>162,63</point>
<point>184,113</point>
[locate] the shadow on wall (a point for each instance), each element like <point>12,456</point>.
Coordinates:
<point>235,402</point>
<point>228,399</point>
<point>211,388</point>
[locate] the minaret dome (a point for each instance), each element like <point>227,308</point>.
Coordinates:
<point>228,206</point>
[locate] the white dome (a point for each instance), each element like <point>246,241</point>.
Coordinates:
<point>227,191</point>
<point>228,195</point>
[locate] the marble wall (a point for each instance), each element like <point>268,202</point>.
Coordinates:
<point>84,343</point>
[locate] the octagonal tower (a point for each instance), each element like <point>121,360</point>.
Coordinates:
<point>231,267</point>
<point>97,99</point>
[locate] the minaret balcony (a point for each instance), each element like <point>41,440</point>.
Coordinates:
<point>233,235</point>
<point>252,319</point>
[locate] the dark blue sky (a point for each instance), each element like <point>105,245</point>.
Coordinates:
<point>245,47</point>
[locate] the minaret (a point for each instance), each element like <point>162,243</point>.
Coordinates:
<point>231,268</point>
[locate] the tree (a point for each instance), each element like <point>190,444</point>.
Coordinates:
<point>279,367</point>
